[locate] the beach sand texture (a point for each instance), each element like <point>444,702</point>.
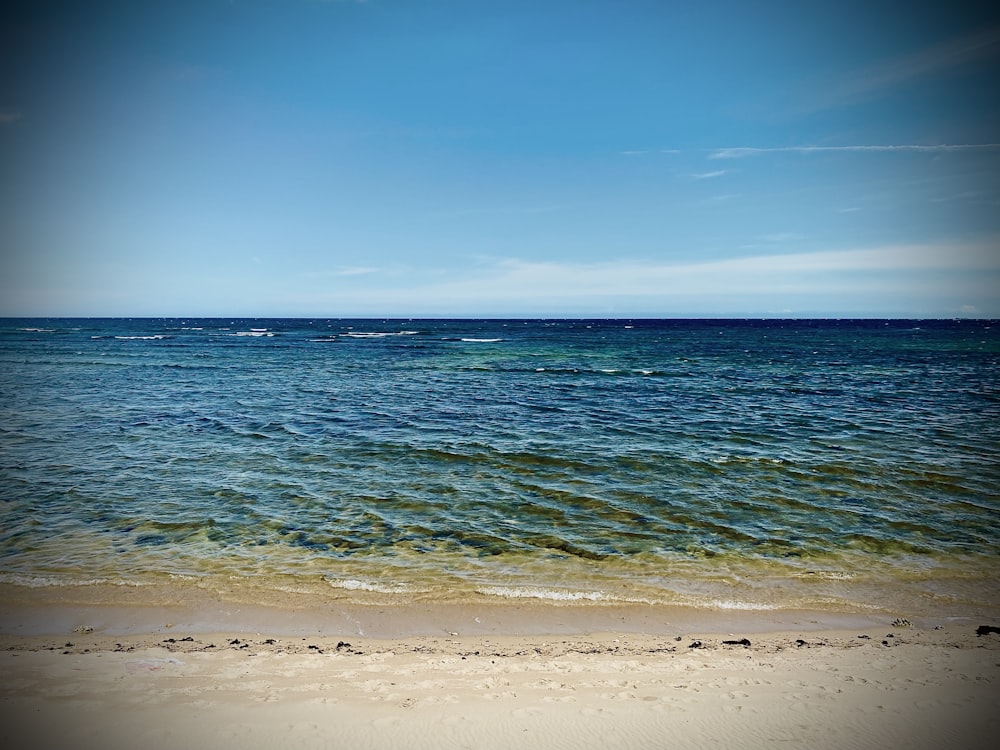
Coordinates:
<point>916,688</point>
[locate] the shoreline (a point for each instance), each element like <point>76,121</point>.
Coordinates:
<point>120,611</point>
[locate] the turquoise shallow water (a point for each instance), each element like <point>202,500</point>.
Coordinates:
<point>730,463</point>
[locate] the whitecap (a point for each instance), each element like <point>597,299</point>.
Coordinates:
<point>378,334</point>
<point>482,341</point>
<point>140,338</point>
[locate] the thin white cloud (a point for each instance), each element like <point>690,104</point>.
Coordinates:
<point>867,82</point>
<point>355,271</point>
<point>342,271</point>
<point>744,151</point>
<point>697,277</point>
<point>643,151</point>
<point>782,237</point>
<point>913,274</point>
<point>190,72</point>
<point>709,175</point>
<point>499,210</point>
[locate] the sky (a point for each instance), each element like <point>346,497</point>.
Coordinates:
<point>546,158</point>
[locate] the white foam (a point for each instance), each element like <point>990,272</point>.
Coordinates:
<point>254,332</point>
<point>352,584</point>
<point>141,338</point>
<point>38,582</point>
<point>37,330</point>
<point>324,341</point>
<point>747,606</point>
<point>831,575</point>
<point>482,341</point>
<point>378,334</point>
<point>519,592</point>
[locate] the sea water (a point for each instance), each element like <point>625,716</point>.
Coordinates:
<point>726,463</point>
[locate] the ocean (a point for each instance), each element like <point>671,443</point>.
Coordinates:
<point>845,465</point>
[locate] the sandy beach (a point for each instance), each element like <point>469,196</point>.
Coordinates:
<point>757,681</point>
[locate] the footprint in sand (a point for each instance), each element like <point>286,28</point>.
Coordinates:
<point>529,711</point>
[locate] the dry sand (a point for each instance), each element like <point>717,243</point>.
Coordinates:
<point>920,687</point>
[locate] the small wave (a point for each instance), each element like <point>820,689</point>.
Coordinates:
<point>597,371</point>
<point>378,334</point>
<point>746,606</point>
<point>37,330</point>
<point>157,337</point>
<point>482,341</point>
<point>830,575</point>
<point>561,595</point>
<point>39,582</point>
<point>519,592</point>
<point>727,459</point>
<point>352,584</point>
<point>254,332</point>
<point>328,340</point>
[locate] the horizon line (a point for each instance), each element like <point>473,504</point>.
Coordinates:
<point>676,316</point>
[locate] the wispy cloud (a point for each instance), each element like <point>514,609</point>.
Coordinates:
<point>342,271</point>
<point>867,82</point>
<point>961,273</point>
<point>355,271</point>
<point>644,151</point>
<point>709,175</point>
<point>782,237</point>
<point>744,151</point>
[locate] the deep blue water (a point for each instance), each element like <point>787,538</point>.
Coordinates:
<point>745,462</point>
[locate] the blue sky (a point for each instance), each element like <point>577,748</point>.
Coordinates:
<point>546,158</point>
